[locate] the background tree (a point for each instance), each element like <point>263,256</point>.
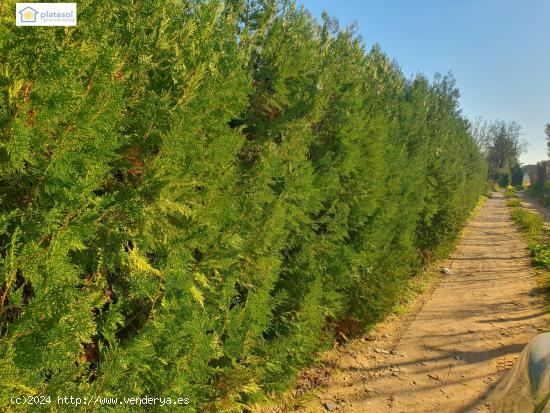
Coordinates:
<point>480,129</point>
<point>517,175</point>
<point>504,150</point>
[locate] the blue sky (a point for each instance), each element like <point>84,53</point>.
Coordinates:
<point>498,51</point>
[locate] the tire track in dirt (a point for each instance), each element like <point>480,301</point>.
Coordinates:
<point>450,352</point>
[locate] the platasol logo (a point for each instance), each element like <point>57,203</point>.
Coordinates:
<point>45,14</point>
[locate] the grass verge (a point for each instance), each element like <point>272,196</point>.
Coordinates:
<point>537,235</point>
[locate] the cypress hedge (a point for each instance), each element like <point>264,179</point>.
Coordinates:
<point>195,195</point>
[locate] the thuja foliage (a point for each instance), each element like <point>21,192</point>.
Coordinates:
<point>195,195</point>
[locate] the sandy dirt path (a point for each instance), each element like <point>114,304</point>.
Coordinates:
<point>451,350</point>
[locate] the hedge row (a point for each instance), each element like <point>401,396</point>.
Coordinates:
<point>195,194</point>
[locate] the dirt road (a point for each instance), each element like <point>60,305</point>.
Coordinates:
<point>449,353</point>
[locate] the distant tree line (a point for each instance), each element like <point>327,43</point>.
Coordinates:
<point>196,196</point>
<point>501,144</point>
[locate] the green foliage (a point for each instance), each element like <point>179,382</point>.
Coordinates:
<point>516,178</point>
<point>513,202</point>
<point>541,254</point>
<point>503,149</point>
<point>530,222</point>
<point>541,191</point>
<point>533,226</point>
<point>538,237</point>
<point>503,178</point>
<point>510,192</point>
<point>493,186</point>
<point>195,194</point>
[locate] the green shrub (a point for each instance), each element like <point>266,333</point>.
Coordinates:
<point>533,225</point>
<point>516,179</point>
<point>504,179</point>
<point>541,254</point>
<point>540,191</point>
<point>494,186</point>
<point>510,192</point>
<point>531,222</point>
<point>535,189</point>
<point>513,202</point>
<point>192,205</point>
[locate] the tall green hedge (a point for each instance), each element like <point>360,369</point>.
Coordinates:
<point>194,195</point>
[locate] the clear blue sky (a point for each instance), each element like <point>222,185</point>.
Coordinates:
<point>498,51</point>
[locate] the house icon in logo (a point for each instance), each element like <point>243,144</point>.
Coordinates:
<point>28,14</point>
